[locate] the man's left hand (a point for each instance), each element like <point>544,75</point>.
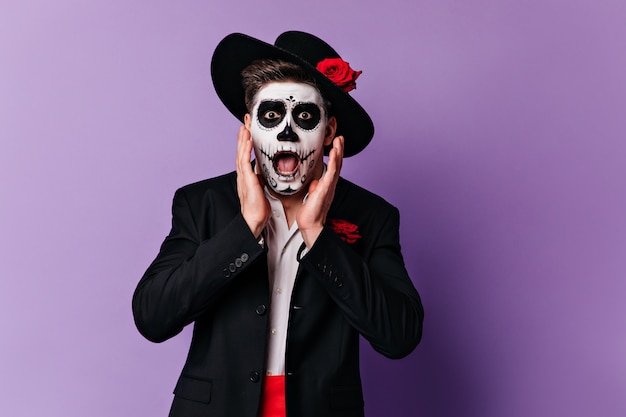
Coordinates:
<point>312,215</point>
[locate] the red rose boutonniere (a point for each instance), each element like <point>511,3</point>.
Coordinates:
<point>346,231</point>
<point>338,71</point>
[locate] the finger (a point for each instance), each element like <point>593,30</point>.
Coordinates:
<point>327,184</point>
<point>339,146</point>
<point>240,145</point>
<point>335,159</point>
<point>244,151</point>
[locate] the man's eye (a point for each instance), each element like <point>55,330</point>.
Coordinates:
<point>307,115</point>
<point>271,115</point>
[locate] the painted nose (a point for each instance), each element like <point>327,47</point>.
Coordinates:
<point>287,135</point>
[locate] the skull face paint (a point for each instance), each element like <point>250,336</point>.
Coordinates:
<point>288,129</point>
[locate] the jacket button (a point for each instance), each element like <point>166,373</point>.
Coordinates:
<point>232,267</point>
<point>238,262</point>
<point>244,257</point>
<point>226,273</point>
<point>261,309</point>
<point>255,376</point>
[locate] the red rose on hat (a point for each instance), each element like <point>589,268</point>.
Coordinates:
<point>338,71</point>
<point>346,231</point>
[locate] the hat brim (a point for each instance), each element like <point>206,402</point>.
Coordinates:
<point>236,51</point>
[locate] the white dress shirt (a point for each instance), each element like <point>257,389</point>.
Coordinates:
<point>283,244</point>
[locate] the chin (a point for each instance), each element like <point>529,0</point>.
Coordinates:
<point>289,189</point>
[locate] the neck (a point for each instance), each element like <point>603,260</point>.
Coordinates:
<point>291,203</point>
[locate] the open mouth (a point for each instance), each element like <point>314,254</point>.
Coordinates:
<point>286,163</point>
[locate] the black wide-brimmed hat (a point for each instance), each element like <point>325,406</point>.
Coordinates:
<point>236,51</point>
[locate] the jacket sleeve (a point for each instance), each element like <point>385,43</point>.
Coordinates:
<point>188,274</point>
<point>376,295</point>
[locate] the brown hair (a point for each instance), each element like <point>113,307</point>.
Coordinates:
<point>263,71</point>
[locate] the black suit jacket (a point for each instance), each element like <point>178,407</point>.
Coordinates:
<point>211,270</point>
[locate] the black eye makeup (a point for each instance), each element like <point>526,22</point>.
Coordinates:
<point>271,113</point>
<point>306,115</point>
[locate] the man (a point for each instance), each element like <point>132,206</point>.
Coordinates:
<point>282,264</point>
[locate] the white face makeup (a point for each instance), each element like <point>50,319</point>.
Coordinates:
<point>288,127</point>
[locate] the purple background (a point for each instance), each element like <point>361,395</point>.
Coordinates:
<point>501,134</point>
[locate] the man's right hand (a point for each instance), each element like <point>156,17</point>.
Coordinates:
<point>255,207</point>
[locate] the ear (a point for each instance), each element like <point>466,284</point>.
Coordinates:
<point>331,128</point>
<point>246,120</point>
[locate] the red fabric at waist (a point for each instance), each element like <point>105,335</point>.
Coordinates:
<point>273,401</point>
